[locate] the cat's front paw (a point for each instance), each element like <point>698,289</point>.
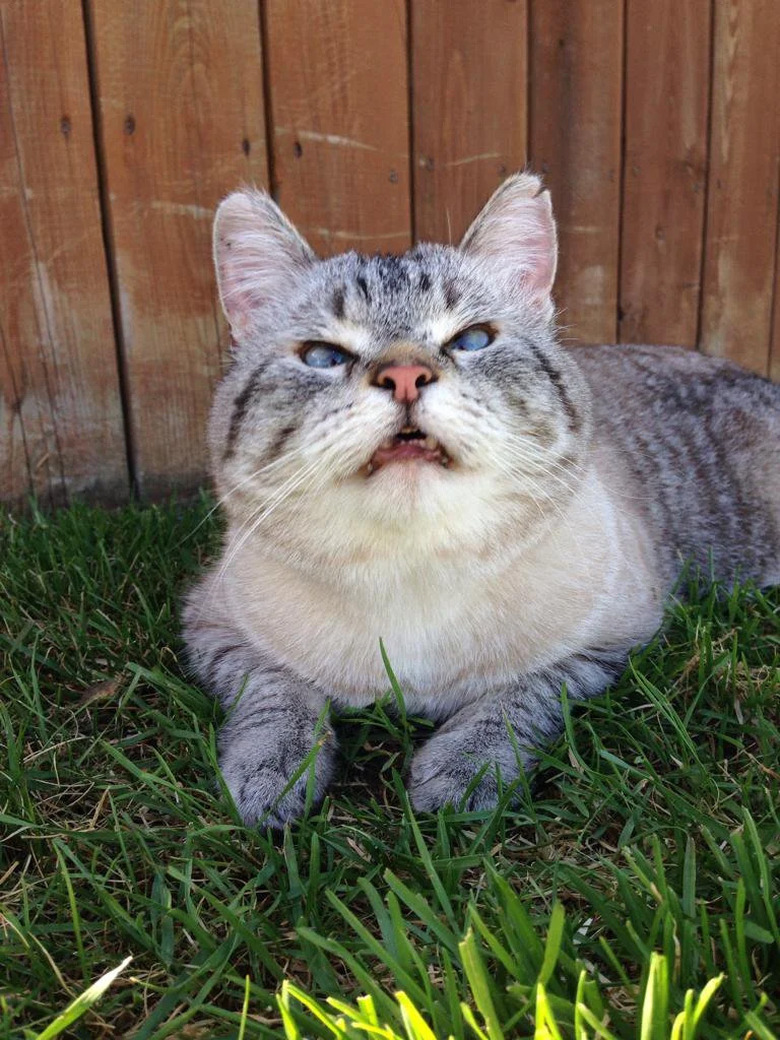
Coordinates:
<point>450,770</point>
<point>261,780</point>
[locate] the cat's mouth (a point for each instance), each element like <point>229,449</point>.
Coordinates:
<point>410,445</point>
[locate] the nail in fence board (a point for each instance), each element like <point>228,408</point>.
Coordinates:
<point>666,108</point>
<point>339,100</point>
<point>61,429</point>
<point>469,81</point>
<point>742,192</point>
<point>576,56</point>
<point>181,105</point>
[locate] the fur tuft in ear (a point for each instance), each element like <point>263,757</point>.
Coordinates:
<point>257,254</point>
<point>516,229</point>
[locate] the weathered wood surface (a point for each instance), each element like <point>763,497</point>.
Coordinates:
<point>666,91</point>
<point>576,82</point>
<point>180,94</point>
<point>469,76</point>
<point>374,123</point>
<point>339,113</point>
<point>61,430</point>
<point>741,233</point>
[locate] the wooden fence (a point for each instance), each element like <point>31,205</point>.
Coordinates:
<point>375,122</point>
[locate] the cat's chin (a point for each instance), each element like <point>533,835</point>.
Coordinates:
<point>412,473</point>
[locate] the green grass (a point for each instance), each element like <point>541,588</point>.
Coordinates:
<point>645,866</point>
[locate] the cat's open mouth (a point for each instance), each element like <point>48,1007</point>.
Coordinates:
<point>410,445</point>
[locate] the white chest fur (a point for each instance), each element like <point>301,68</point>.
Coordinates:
<point>453,624</point>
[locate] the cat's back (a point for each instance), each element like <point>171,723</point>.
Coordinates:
<point>698,441</point>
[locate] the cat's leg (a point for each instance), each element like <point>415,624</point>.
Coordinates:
<point>495,733</point>
<point>274,720</point>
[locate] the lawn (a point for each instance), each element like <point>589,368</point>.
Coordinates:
<point>642,864</point>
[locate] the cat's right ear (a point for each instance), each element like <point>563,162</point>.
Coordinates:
<point>257,255</point>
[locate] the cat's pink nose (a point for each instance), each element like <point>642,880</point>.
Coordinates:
<point>405,380</point>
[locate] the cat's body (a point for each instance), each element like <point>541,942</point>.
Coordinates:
<point>532,543</point>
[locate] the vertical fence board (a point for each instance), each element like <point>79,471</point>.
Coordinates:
<point>742,190</point>
<point>575,116</point>
<point>61,427</point>
<point>180,91</point>
<point>469,80</point>
<point>339,109</point>
<point>667,87</point>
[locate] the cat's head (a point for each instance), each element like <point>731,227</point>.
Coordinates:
<point>419,396</point>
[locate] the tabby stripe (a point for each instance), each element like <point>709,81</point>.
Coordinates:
<point>556,379</point>
<point>276,446</point>
<point>452,295</point>
<point>240,406</point>
<point>363,286</point>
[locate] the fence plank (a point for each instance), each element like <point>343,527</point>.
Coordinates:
<point>742,193</point>
<point>180,89</point>
<point>469,81</point>
<point>575,119</point>
<point>340,127</point>
<point>667,87</point>
<point>61,428</point>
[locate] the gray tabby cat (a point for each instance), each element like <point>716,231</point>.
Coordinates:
<point>405,452</point>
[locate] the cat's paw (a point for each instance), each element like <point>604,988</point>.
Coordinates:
<point>260,779</point>
<point>449,770</point>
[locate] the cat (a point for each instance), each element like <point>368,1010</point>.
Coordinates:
<point>404,452</point>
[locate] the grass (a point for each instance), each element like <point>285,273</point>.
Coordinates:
<point>634,895</point>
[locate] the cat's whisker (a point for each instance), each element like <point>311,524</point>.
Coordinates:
<point>263,511</point>
<point>223,498</point>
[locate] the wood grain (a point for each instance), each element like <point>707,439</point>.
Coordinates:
<point>666,109</point>
<point>742,192</point>
<point>61,430</point>
<point>339,105</point>
<point>469,84</point>
<point>181,106</point>
<point>575,120</point>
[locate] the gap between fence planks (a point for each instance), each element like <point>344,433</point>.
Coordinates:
<point>61,429</point>
<point>665,174</point>
<point>576,88</point>
<point>742,211</point>
<point>179,84</point>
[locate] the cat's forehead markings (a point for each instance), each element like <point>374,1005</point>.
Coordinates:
<point>337,303</point>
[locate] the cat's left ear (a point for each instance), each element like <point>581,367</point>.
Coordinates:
<point>516,229</point>
<point>258,254</point>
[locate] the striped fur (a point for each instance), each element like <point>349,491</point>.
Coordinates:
<point>579,484</point>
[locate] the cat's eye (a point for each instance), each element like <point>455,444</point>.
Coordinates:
<point>324,355</point>
<point>476,338</point>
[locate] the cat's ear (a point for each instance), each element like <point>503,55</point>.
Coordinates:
<point>257,255</point>
<point>516,229</point>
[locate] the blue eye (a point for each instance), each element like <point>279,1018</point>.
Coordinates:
<point>475,338</point>
<point>323,355</point>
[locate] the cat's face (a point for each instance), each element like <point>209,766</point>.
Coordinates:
<point>419,396</point>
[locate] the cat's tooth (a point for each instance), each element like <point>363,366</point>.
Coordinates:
<point>431,443</point>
